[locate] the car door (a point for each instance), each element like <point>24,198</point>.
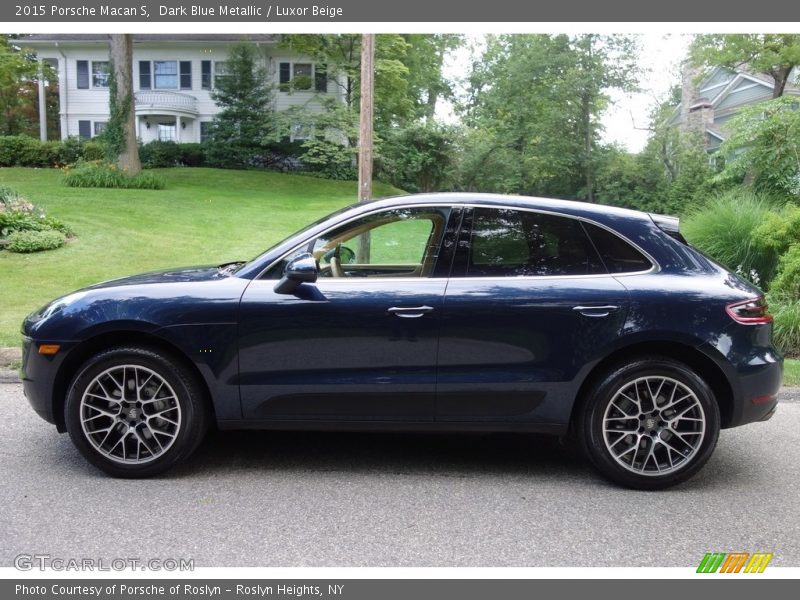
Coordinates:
<point>360,343</point>
<point>528,305</point>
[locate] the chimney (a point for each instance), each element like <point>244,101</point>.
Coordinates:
<point>689,93</point>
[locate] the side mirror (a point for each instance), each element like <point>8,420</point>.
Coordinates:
<point>301,269</point>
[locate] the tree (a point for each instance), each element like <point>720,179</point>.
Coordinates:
<point>533,107</point>
<point>18,73</point>
<point>245,127</point>
<point>773,53</point>
<point>120,133</point>
<point>419,157</point>
<point>425,56</point>
<point>764,149</point>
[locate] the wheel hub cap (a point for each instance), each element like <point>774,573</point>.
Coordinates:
<point>654,425</point>
<point>130,414</point>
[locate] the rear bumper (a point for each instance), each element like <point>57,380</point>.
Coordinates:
<point>760,381</point>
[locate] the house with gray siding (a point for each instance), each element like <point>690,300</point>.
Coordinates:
<point>173,76</point>
<point>708,105</point>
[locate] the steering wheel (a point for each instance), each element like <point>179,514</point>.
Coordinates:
<point>336,267</point>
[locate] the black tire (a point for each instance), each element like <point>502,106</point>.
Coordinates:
<point>665,449</point>
<point>183,418</point>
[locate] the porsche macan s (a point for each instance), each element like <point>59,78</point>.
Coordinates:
<point>444,312</point>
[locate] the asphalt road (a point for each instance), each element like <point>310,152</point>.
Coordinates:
<point>323,499</point>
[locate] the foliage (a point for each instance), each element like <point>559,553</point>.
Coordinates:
<point>724,229</point>
<point>102,174</point>
<point>779,230</point>
<point>534,103</point>
<point>786,285</point>
<point>28,241</point>
<point>773,53</point>
<point>25,227</point>
<point>25,151</point>
<point>17,74</point>
<point>113,137</point>
<point>786,327</point>
<point>245,126</point>
<point>419,157</point>
<point>424,59</point>
<point>764,148</point>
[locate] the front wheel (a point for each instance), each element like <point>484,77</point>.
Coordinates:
<point>135,412</point>
<point>650,424</point>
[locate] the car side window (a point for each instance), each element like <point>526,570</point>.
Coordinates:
<point>617,254</point>
<point>515,243</point>
<point>400,242</point>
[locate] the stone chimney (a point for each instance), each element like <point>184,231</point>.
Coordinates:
<point>697,113</point>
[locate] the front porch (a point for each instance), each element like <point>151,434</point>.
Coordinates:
<point>166,116</point>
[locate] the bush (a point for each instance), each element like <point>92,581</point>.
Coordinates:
<point>786,330</point>
<point>34,241</point>
<point>25,227</point>
<point>724,229</point>
<point>158,154</point>
<point>101,174</point>
<point>191,155</point>
<point>25,151</point>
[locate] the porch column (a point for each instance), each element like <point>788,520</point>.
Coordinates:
<point>62,96</point>
<point>42,104</point>
<point>178,129</point>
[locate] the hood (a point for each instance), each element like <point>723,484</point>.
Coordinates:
<point>183,275</point>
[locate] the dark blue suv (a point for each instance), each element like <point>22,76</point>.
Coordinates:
<point>447,312</point>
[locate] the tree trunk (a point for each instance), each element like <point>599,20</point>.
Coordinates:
<point>586,108</point>
<point>781,77</point>
<point>121,50</point>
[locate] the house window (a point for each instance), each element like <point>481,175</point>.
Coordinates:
<point>99,127</point>
<point>186,74</point>
<point>165,74</point>
<point>167,132</point>
<point>145,80</point>
<point>83,74</point>
<point>321,78</point>
<point>302,76</point>
<point>220,70</point>
<point>85,129</point>
<point>205,130</point>
<point>100,73</point>
<point>300,132</point>
<point>205,74</point>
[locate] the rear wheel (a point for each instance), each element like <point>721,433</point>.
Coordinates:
<point>650,424</point>
<point>135,412</point>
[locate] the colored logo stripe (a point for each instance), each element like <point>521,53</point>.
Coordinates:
<point>734,562</point>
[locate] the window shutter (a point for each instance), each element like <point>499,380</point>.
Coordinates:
<point>186,74</point>
<point>83,74</point>
<point>144,75</point>
<point>85,129</point>
<point>321,78</point>
<point>285,73</point>
<point>205,74</point>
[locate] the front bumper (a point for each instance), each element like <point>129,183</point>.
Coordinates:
<point>39,373</point>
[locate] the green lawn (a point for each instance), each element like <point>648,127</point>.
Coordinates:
<point>204,216</point>
<point>791,372</point>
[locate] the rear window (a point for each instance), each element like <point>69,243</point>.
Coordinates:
<point>618,255</point>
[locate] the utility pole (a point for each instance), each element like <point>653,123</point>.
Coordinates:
<point>365,136</point>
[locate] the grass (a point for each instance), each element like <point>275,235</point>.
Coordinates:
<point>791,372</point>
<point>204,216</point>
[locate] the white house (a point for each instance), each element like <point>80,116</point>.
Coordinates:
<point>173,76</point>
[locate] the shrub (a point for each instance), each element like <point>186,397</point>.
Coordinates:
<point>34,241</point>
<point>25,227</point>
<point>724,229</point>
<point>25,151</point>
<point>158,154</point>
<point>101,174</point>
<point>191,155</point>
<point>786,331</point>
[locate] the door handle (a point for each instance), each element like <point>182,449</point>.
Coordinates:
<point>409,312</point>
<point>596,311</point>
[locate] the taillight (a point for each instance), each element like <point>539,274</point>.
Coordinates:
<point>749,312</point>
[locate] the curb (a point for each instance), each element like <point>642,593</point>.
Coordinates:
<point>9,356</point>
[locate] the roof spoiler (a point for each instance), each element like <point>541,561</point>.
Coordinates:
<point>669,225</point>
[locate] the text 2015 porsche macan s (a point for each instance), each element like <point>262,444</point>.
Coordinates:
<point>451,312</point>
